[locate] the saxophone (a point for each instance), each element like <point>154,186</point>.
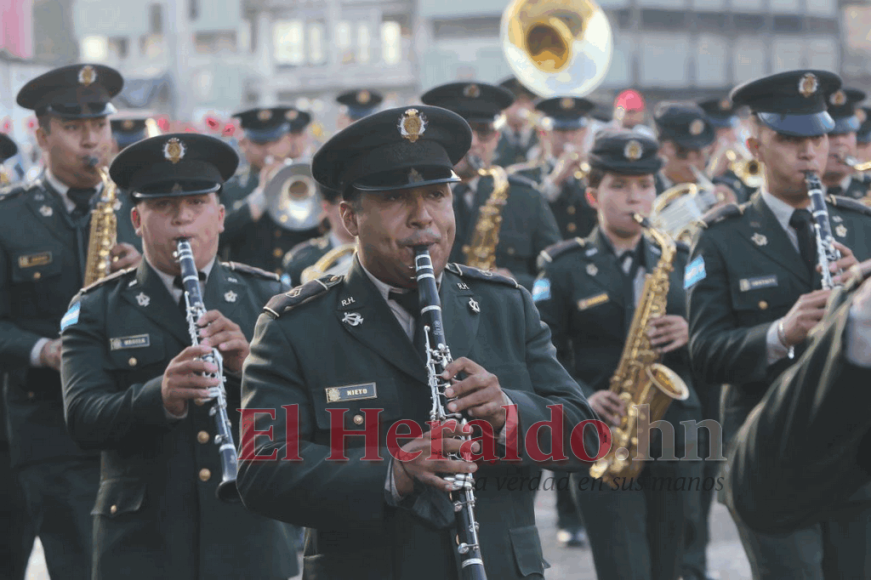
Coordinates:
<point>645,385</point>
<point>104,230</point>
<point>481,252</point>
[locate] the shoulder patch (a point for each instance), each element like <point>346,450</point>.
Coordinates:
<point>722,213</point>
<point>246,269</point>
<point>849,204</point>
<point>476,274</point>
<point>298,296</point>
<point>551,253</point>
<point>107,279</point>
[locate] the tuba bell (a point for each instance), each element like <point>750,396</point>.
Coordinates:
<point>557,47</point>
<point>292,197</point>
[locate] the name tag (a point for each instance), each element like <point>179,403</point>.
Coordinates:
<point>32,260</point>
<point>593,301</point>
<point>122,342</point>
<point>351,393</point>
<point>757,283</point>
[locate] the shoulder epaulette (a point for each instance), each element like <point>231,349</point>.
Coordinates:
<point>477,274</point>
<point>848,204</point>
<point>107,279</point>
<point>246,269</point>
<point>551,253</point>
<point>16,189</point>
<point>517,179</point>
<point>298,296</point>
<point>722,213</point>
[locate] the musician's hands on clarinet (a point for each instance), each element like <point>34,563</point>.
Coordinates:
<point>847,261</point>
<point>183,380</point>
<point>427,468</point>
<point>225,335</point>
<point>804,315</point>
<point>478,394</point>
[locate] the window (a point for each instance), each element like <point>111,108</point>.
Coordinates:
<point>155,19</point>
<point>620,71</point>
<point>288,42</point>
<point>786,6</point>
<point>215,42</point>
<point>95,48</point>
<point>711,70</point>
<point>364,42</point>
<point>391,42</point>
<point>787,53</point>
<point>151,45</point>
<point>316,34</point>
<point>822,53</point>
<point>749,59</point>
<point>193,9</point>
<point>747,5</point>
<point>117,47</point>
<point>664,59</point>
<point>344,42</point>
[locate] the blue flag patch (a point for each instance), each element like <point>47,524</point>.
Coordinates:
<point>71,317</point>
<point>541,290</point>
<point>695,273</point>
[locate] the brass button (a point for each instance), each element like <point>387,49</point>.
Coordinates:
<point>199,402</point>
<point>570,210</point>
<point>30,394</point>
<point>132,361</point>
<point>511,251</point>
<point>205,474</point>
<point>203,437</point>
<point>763,305</point>
<point>571,227</point>
<point>113,509</point>
<point>277,233</point>
<point>358,419</point>
<point>37,275</point>
<point>277,252</point>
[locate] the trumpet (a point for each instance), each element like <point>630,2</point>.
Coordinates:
<point>741,163</point>
<point>570,157</point>
<point>853,163</point>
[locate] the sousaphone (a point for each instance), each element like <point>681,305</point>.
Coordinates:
<point>292,197</point>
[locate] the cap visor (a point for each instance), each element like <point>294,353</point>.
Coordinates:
<point>845,125</point>
<point>206,188</point>
<point>267,135</point>
<point>453,178</point>
<point>88,111</point>
<point>808,125</point>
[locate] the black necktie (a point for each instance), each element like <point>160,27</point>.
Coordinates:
<point>411,304</point>
<point>807,244</point>
<point>81,196</point>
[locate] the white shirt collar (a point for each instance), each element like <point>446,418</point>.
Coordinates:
<point>385,289</point>
<point>782,211</point>
<point>169,280</point>
<point>62,188</point>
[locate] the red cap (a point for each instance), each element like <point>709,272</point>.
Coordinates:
<point>629,100</point>
<point>163,124</point>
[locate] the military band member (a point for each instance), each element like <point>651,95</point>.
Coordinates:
<point>723,116</point>
<point>271,136</point>
<point>528,225</point>
<point>520,134</point>
<point>753,296</point>
<point>128,130</point>
<point>391,520</point>
<point>8,150</point>
<point>587,294</point>
<point>629,113</point>
<point>309,252</point>
<point>43,247</point>
<point>821,393</point>
<point>132,389</point>
<point>863,135</point>
<point>559,174</point>
<point>839,178</point>
<point>355,105</point>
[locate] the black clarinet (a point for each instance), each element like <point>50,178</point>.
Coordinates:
<point>190,280</point>
<point>827,253</point>
<point>438,357</point>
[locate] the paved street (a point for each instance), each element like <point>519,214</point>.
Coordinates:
<point>725,555</point>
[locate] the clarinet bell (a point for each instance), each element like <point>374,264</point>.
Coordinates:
<point>228,492</point>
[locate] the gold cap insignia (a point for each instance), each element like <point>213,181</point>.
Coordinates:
<point>363,97</point>
<point>177,188</point>
<point>127,125</point>
<point>414,176</point>
<point>860,114</point>
<point>173,151</point>
<point>633,150</point>
<point>472,91</point>
<point>412,124</point>
<point>87,75</point>
<point>725,105</point>
<point>567,103</point>
<point>808,85</point>
<point>697,127</point>
<point>264,114</point>
<point>292,115</point>
<point>838,98</point>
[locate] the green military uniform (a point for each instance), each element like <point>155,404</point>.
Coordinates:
<point>574,215</point>
<point>782,474</point>
<point>43,248</point>
<point>745,274</point>
<point>302,256</point>
<point>857,188</point>
<point>516,146</point>
<point>156,514</point>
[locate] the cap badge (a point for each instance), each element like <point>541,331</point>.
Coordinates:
<point>363,97</point>
<point>808,85</point>
<point>173,151</point>
<point>838,98</point>
<point>292,115</point>
<point>414,176</point>
<point>725,105</point>
<point>264,114</point>
<point>841,230</point>
<point>87,75</point>
<point>127,125</point>
<point>412,124</point>
<point>697,127</point>
<point>633,150</point>
<point>176,188</point>
<point>472,91</point>
<point>567,103</point>
<point>860,114</point>
<point>759,239</point>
